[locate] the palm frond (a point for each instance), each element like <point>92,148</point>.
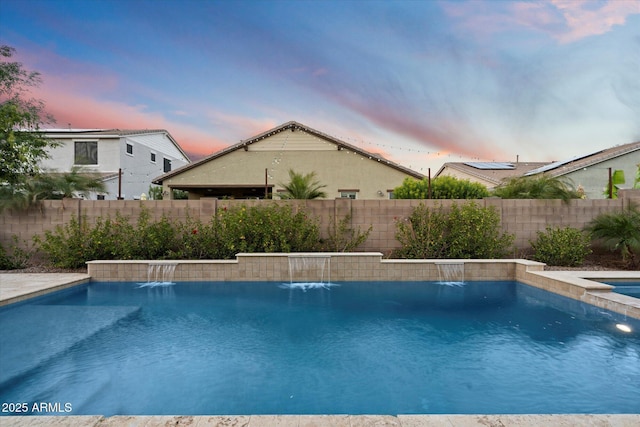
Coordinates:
<point>302,186</point>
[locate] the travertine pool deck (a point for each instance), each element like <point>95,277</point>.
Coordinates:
<point>19,287</point>
<point>617,420</point>
<point>22,286</point>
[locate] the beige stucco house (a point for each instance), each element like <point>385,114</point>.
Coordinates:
<point>257,167</point>
<point>589,171</point>
<point>489,174</point>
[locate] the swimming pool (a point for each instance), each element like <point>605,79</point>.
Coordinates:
<point>626,288</point>
<point>263,348</point>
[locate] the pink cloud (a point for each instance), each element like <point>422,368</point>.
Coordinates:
<point>565,20</point>
<point>72,92</point>
<point>79,110</point>
<point>444,136</point>
<point>583,21</point>
<point>244,126</point>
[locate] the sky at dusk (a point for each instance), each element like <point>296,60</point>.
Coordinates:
<point>419,82</point>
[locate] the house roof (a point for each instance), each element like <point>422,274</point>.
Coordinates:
<point>112,133</point>
<point>493,172</point>
<point>580,162</point>
<point>291,125</point>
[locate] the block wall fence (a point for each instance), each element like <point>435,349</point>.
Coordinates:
<point>521,217</point>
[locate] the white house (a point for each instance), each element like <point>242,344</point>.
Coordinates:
<point>127,160</point>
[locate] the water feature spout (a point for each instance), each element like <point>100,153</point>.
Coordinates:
<point>308,270</point>
<point>450,273</point>
<point>160,273</point>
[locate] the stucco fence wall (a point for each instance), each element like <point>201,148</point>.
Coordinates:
<point>520,217</point>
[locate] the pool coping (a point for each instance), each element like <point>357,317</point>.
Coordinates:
<point>587,286</point>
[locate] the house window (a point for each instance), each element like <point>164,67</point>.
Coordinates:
<point>153,157</point>
<point>167,165</point>
<point>86,153</point>
<point>348,194</point>
<point>130,149</point>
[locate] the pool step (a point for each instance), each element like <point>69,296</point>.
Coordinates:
<point>32,334</point>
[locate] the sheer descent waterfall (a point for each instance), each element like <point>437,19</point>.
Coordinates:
<point>160,273</point>
<point>451,273</point>
<point>308,271</point>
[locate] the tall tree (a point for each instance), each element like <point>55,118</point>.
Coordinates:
<point>302,186</point>
<point>22,145</point>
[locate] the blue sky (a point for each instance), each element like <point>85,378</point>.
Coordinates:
<point>420,82</point>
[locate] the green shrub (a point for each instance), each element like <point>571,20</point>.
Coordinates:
<point>423,234</point>
<point>443,187</point>
<point>474,232</point>
<point>198,240</point>
<point>344,238</point>
<point>67,246</point>
<point>111,239</point>
<point>566,247</point>
<point>257,229</point>
<point>469,231</point>
<point>154,240</point>
<point>449,187</point>
<point>272,228</point>
<point>15,257</point>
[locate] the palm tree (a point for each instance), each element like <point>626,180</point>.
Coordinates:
<point>302,186</point>
<point>47,186</point>
<point>540,187</point>
<point>74,183</point>
<point>618,231</point>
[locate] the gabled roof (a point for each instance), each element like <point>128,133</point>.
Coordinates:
<point>493,172</point>
<point>580,162</point>
<point>111,133</point>
<point>292,125</point>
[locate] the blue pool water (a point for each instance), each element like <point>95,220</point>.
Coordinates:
<point>627,288</point>
<point>263,348</point>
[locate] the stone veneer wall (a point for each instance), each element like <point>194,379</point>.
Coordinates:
<point>354,266</point>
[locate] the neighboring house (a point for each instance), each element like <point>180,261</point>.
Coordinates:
<point>490,174</point>
<point>257,167</point>
<point>127,160</point>
<point>591,171</point>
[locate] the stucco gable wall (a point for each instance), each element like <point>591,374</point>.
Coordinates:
<point>337,169</point>
<point>595,178</point>
<point>292,141</point>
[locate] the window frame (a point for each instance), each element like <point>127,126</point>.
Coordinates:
<point>348,194</point>
<point>85,143</point>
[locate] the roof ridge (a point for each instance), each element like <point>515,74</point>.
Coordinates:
<point>292,124</point>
